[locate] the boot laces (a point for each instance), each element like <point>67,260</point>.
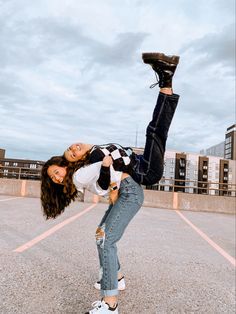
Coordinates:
<point>157,78</point>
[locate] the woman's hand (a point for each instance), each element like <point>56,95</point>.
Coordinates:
<point>107,161</point>
<point>113,196</point>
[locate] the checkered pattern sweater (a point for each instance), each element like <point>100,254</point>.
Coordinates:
<point>123,160</point>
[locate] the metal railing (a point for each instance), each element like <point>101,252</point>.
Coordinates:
<point>11,172</point>
<point>165,184</point>
<point>195,187</point>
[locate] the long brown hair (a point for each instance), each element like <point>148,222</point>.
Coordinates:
<point>56,197</point>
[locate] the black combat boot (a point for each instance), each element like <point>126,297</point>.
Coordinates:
<point>163,65</point>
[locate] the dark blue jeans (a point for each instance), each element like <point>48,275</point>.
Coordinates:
<point>149,167</point>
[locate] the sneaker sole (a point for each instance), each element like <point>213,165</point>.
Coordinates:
<point>150,57</point>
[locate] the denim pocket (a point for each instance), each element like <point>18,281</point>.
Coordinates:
<point>132,192</point>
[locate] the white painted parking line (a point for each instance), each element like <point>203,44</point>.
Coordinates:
<point>9,199</point>
<point>207,239</point>
<point>49,232</point>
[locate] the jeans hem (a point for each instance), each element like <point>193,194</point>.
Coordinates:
<point>173,96</point>
<point>109,293</point>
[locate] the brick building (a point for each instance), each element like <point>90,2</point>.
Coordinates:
<point>11,168</point>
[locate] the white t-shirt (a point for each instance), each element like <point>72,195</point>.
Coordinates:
<point>87,176</point>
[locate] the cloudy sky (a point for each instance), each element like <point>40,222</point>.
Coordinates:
<point>71,70</point>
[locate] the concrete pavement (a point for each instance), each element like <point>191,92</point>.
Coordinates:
<point>172,263</point>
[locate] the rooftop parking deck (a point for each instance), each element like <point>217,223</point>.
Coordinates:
<point>173,261</point>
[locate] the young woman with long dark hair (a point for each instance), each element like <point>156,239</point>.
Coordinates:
<point>112,168</point>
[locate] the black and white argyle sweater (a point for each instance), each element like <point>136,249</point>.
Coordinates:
<point>123,160</point>
<point>123,157</point>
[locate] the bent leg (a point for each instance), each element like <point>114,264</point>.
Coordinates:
<point>129,202</point>
<point>149,167</point>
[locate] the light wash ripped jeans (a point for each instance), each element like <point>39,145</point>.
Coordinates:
<point>111,229</point>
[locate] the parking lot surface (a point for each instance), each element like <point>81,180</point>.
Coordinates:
<point>173,262</point>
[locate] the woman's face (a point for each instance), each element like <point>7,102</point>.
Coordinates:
<point>57,173</point>
<point>76,151</point>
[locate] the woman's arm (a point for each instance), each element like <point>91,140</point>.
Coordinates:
<point>87,178</point>
<point>104,179</point>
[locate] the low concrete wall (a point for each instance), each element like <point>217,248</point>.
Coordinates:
<point>158,199</point>
<point>151,199</point>
<point>180,201</point>
<point>15,187</point>
<point>196,202</point>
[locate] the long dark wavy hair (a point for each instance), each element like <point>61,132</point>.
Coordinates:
<point>56,197</point>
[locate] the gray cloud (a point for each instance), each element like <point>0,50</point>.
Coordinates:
<point>66,77</point>
<point>34,41</point>
<point>215,48</point>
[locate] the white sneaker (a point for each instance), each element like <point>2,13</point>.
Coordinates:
<point>100,307</point>
<point>121,284</point>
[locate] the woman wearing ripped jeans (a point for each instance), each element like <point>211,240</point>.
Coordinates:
<point>101,165</point>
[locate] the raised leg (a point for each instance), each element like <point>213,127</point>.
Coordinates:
<point>149,167</point>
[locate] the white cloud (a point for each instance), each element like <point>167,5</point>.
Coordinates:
<point>73,71</point>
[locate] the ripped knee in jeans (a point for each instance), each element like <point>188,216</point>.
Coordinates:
<point>100,236</point>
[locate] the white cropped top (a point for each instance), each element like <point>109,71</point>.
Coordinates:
<point>87,176</point>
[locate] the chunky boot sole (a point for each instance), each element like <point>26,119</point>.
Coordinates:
<point>152,57</point>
